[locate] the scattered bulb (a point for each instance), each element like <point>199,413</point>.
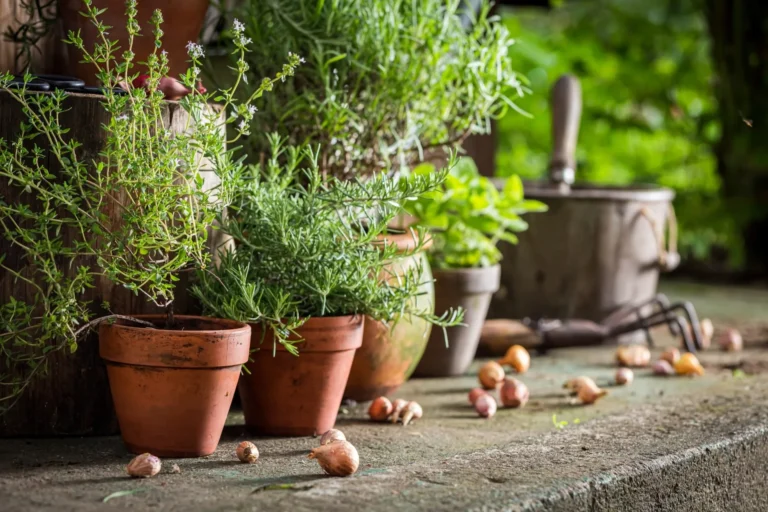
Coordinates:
<point>730,340</point>
<point>624,376</point>
<point>663,367</point>
<point>573,385</point>
<point>144,466</point>
<point>380,409</point>
<point>491,375</point>
<point>485,406</point>
<point>518,358</point>
<point>332,436</point>
<point>689,365</point>
<point>412,411</point>
<point>475,394</point>
<point>707,330</point>
<point>514,393</point>
<point>589,392</point>
<point>247,452</point>
<point>633,355</point>
<point>670,355</point>
<point>397,408</point>
<point>337,459</point>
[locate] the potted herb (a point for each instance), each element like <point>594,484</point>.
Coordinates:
<point>308,263</point>
<point>467,217</point>
<point>134,213</point>
<point>386,85</point>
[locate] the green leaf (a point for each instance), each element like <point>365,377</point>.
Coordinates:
<point>513,189</point>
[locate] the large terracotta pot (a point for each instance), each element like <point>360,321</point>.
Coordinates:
<point>173,388</point>
<point>182,22</point>
<point>468,288</point>
<point>389,355</point>
<point>287,395</point>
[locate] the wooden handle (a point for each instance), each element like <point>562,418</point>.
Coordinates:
<point>566,115</point>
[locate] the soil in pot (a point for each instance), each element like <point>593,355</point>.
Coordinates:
<point>172,388</point>
<point>182,22</point>
<point>470,289</point>
<point>389,355</point>
<point>287,395</point>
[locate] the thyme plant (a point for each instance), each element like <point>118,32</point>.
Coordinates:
<point>306,247</point>
<point>386,81</point>
<point>135,214</point>
<point>468,216</point>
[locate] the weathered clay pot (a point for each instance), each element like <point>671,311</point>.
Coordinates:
<point>470,289</point>
<point>182,22</point>
<point>173,388</point>
<point>287,395</point>
<point>389,355</point>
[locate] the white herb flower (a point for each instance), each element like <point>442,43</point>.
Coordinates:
<point>243,125</point>
<point>238,26</point>
<point>195,50</point>
<point>244,41</point>
<point>252,109</point>
<point>123,117</point>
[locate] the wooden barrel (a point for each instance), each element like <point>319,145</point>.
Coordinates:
<point>73,397</point>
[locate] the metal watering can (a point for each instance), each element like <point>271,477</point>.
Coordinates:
<point>597,250</point>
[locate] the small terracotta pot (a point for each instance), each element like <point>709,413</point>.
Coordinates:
<point>287,395</point>
<point>389,355</point>
<point>182,22</point>
<point>173,388</point>
<point>470,289</point>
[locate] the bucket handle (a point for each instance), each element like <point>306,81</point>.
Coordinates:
<point>669,258</point>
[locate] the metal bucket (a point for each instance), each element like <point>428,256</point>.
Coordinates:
<point>596,249</point>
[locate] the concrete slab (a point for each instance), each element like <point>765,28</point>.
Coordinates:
<point>659,444</point>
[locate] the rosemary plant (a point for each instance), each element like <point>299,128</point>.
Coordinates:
<point>306,246</point>
<point>468,216</point>
<point>135,214</point>
<point>386,81</point>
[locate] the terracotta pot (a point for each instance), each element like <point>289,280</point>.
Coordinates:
<point>172,388</point>
<point>183,20</point>
<point>389,355</point>
<point>471,289</point>
<point>287,395</point>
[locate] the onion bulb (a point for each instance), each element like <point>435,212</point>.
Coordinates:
<point>380,409</point>
<point>518,358</point>
<point>689,365</point>
<point>491,375</point>
<point>485,406</point>
<point>337,459</point>
<point>514,393</point>
<point>634,356</point>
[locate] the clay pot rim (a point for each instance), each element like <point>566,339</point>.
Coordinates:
<point>470,280</point>
<point>320,324</point>
<point>406,241</point>
<point>228,326</point>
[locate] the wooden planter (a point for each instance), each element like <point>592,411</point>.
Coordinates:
<point>73,397</point>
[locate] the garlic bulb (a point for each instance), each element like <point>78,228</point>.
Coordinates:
<point>144,466</point>
<point>247,452</point>
<point>332,436</point>
<point>380,409</point>
<point>689,365</point>
<point>485,406</point>
<point>397,408</point>
<point>513,393</point>
<point>412,411</point>
<point>491,375</point>
<point>730,340</point>
<point>589,393</point>
<point>670,355</point>
<point>663,367</point>
<point>337,459</point>
<point>624,376</point>
<point>518,358</point>
<point>475,394</point>
<point>633,355</point>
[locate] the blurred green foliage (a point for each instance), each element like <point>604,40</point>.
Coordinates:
<point>649,107</point>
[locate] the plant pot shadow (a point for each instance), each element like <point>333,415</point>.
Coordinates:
<point>233,432</point>
<point>284,483</point>
<point>447,391</point>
